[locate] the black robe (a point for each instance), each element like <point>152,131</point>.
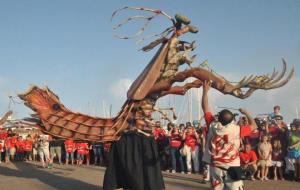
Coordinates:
<point>134,164</point>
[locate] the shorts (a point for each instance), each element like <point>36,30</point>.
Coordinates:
<point>12,151</point>
<point>277,163</point>
<point>34,151</point>
<point>220,180</point>
<point>70,155</point>
<point>80,157</point>
<point>264,163</point>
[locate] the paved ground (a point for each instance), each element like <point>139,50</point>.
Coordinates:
<point>30,176</point>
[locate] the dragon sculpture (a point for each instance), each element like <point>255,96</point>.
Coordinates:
<point>156,80</point>
<point>5,117</point>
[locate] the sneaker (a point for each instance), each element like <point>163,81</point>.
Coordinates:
<point>182,172</point>
<point>266,178</point>
<point>189,172</point>
<point>173,171</point>
<point>252,178</point>
<point>50,166</point>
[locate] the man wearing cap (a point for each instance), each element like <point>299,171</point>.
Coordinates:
<point>223,144</point>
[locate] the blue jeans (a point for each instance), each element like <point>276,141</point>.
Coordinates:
<point>175,154</point>
<point>97,149</point>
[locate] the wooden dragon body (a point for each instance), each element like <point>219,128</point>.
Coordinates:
<point>154,82</point>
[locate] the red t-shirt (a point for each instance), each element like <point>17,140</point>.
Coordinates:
<point>158,133</point>
<point>3,135</point>
<point>69,145</point>
<point>20,146</point>
<point>8,143</point>
<point>245,130</point>
<point>191,141</point>
<point>247,157</point>
<point>28,145</point>
<point>82,148</point>
<point>14,140</point>
<point>277,155</point>
<point>106,147</point>
<point>175,140</point>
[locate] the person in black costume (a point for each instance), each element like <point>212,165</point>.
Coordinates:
<point>133,160</point>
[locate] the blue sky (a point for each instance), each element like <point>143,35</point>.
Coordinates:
<point>69,46</point>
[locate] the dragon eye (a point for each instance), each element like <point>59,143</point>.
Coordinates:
<point>56,107</point>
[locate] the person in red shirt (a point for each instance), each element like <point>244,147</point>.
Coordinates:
<point>162,144</point>
<point>28,148</point>
<point>191,138</point>
<point>81,152</point>
<point>9,143</point>
<point>70,148</point>
<point>175,144</point>
<point>20,149</point>
<point>1,149</point>
<point>249,160</point>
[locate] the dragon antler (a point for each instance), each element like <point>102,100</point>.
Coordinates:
<point>156,12</point>
<point>265,82</point>
<point>249,84</point>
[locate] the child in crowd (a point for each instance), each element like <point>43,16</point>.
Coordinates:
<point>264,152</point>
<point>277,159</point>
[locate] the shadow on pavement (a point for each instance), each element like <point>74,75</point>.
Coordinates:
<point>26,170</point>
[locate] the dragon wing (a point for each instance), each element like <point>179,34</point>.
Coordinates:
<point>145,81</point>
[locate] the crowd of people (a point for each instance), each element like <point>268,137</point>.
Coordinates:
<point>47,149</point>
<point>270,151</point>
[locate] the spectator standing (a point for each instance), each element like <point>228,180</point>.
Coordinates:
<point>191,138</point>
<point>162,144</point>
<point>20,148</point>
<point>277,159</point>
<point>28,148</point>
<point>43,151</point>
<point>265,153</point>
<point>175,145</point>
<point>70,148</point>
<point>1,148</point>
<point>293,152</point>
<point>98,153</point>
<point>35,147</point>
<point>56,149</point>
<point>81,148</point>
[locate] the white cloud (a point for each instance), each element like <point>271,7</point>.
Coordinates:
<point>120,88</point>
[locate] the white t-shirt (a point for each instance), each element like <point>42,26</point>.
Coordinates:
<point>222,145</point>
